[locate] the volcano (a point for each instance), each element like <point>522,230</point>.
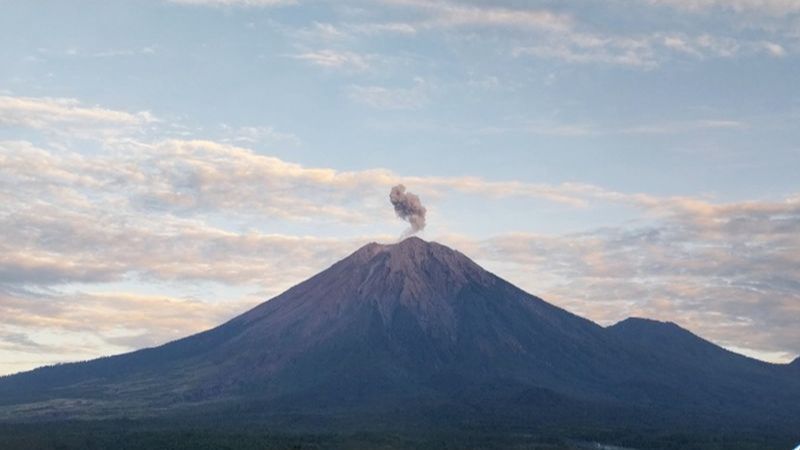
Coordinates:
<point>416,334</point>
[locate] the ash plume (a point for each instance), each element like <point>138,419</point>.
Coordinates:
<point>408,207</point>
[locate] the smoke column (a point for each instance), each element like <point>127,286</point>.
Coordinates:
<point>408,207</point>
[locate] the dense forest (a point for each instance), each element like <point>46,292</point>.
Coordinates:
<point>134,435</point>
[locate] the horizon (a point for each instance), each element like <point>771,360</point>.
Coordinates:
<point>168,164</point>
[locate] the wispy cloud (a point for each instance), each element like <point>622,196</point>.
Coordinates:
<point>392,98</point>
<point>776,7</point>
<point>109,53</point>
<point>64,327</point>
<point>69,117</point>
<point>240,3</point>
<point>553,128</point>
<point>195,177</point>
<point>684,126</point>
<point>644,51</point>
<point>43,112</point>
<point>336,59</point>
<point>250,135</point>
<point>543,33</point>
<point>453,14</point>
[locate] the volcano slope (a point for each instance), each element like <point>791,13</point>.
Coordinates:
<point>415,335</point>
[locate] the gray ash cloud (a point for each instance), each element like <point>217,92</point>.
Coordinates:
<point>408,207</point>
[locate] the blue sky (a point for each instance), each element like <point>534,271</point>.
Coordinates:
<point>180,161</point>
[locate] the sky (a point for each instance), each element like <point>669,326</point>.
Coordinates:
<point>166,165</point>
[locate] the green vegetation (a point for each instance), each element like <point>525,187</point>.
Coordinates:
<point>130,435</point>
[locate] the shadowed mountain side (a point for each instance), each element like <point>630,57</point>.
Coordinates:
<point>688,370</point>
<point>417,333</point>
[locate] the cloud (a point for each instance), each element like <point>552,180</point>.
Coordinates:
<point>774,49</point>
<point>586,129</point>
<point>59,250</point>
<point>183,210</point>
<point>398,28</point>
<point>18,340</point>
<point>250,135</point>
<point>61,229</point>
<point>181,178</point>
<point>684,126</point>
<point>547,34</point>
<point>85,325</point>
<point>68,116</point>
<point>391,98</point>
<point>325,32</point>
<point>645,51</point>
<point>240,3</point>
<point>110,53</point>
<point>774,7</point>
<point>185,179</point>
<point>452,14</point>
<point>336,59</point>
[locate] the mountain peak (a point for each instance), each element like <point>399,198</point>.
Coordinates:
<point>409,244</point>
<point>639,323</point>
<point>416,268</point>
<point>415,255</point>
<point>422,278</point>
<point>412,240</point>
<point>669,337</point>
